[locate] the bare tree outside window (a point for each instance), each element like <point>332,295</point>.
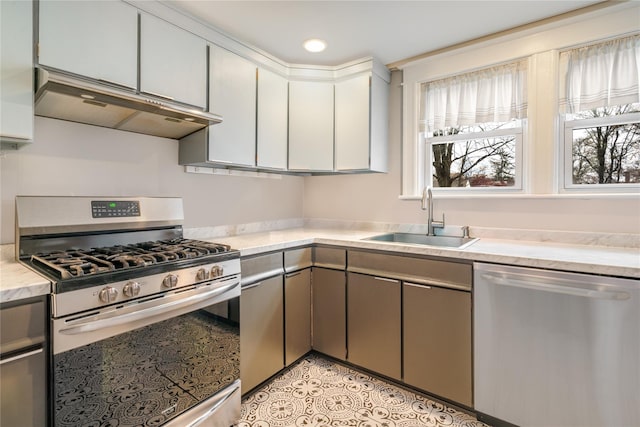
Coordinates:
<point>608,153</point>
<point>479,161</point>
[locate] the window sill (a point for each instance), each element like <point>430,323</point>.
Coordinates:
<point>520,196</point>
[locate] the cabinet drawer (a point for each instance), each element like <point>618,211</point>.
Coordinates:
<point>297,259</point>
<point>23,387</point>
<point>425,271</point>
<point>22,326</point>
<point>260,267</point>
<point>330,258</point>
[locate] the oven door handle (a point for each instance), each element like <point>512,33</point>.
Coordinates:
<point>160,312</point>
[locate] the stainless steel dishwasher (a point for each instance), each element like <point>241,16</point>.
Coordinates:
<point>555,348</point>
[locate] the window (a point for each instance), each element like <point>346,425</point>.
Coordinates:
<point>471,128</point>
<point>482,155</point>
<point>600,108</point>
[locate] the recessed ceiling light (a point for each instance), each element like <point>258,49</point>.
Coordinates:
<point>315,45</point>
<point>85,96</point>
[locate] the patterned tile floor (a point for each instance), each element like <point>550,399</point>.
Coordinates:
<point>318,392</point>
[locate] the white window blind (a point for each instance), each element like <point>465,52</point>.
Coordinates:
<point>496,94</point>
<point>601,75</point>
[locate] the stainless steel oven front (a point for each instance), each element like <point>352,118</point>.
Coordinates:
<point>171,360</point>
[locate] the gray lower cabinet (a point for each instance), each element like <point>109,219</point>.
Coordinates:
<point>23,365</point>
<point>261,331</point>
<point>297,315</point>
<point>373,323</point>
<point>437,341</point>
<point>329,312</point>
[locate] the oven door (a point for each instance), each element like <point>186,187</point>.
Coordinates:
<point>165,359</point>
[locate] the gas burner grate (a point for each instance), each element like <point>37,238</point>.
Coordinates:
<point>79,262</point>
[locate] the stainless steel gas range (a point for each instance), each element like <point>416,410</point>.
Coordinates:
<point>144,323</point>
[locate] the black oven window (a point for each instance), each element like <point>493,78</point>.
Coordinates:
<point>147,376</point>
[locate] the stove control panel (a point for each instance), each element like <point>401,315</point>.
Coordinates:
<point>114,208</point>
<point>66,303</point>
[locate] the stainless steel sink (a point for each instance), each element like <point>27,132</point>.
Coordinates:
<point>422,239</point>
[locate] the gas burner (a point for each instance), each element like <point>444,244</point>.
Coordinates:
<point>75,263</point>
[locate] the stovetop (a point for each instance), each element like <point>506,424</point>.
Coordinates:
<point>75,269</point>
<point>76,263</point>
<point>79,242</point>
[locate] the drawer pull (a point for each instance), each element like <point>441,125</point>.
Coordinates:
<point>21,356</point>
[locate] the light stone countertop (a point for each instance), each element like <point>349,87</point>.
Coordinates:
<point>18,282</point>
<point>604,260</point>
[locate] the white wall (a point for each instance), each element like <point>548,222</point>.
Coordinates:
<point>375,197</point>
<point>75,159</point>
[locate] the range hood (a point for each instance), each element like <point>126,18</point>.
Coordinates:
<point>68,97</point>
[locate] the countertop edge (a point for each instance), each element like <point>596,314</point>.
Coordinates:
<point>606,261</point>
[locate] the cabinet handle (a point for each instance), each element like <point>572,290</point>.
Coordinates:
<point>293,274</point>
<point>253,285</point>
<point>386,279</point>
<point>21,356</point>
<point>416,285</point>
<point>159,95</point>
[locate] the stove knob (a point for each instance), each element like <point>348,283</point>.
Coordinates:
<point>108,294</point>
<point>201,275</point>
<point>131,289</point>
<point>171,281</point>
<point>216,271</point>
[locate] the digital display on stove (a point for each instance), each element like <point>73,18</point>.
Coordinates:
<point>115,208</point>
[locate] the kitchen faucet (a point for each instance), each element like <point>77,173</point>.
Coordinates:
<point>427,205</point>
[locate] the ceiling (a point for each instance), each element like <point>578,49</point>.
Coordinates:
<point>390,31</point>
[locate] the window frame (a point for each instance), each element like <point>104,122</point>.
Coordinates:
<point>566,154</point>
<point>520,137</point>
<point>543,147</point>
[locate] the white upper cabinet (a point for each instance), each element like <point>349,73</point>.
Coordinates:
<point>311,126</point>
<point>361,123</point>
<point>16,71</point>
<point>232,95</point>
<point>273,92</point>
<point>352,123</point>
<point>97,39</point>
<point>173,61</point>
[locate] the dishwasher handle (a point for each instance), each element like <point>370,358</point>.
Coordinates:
<point>523,281</point>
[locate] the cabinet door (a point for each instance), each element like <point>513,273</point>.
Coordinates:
<point>23,389</point>
<point>437,341</point>
<point>352,123</point>
<point>329,332</point>
<point>379,124</point>
<point>297,315</point>
<point>310,126</point>
<point>94,39</point>
<point>23,368</point>
<point>16,70</point>
<point>232,94</point>
<point>261,332</point>
<point>173,62</point>
<point>273,103</point>
<point>373,319</point>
